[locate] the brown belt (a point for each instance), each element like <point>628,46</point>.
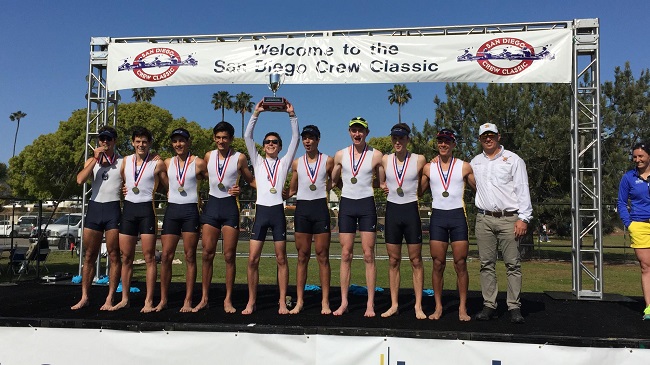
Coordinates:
<point>497,214</point>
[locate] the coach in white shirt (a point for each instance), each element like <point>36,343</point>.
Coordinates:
<point>503,214</point>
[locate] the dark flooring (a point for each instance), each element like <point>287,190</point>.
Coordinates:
<point>608,323</point>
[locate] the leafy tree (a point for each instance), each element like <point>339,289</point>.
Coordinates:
<point>382,144</point>
<point>242,105</point>
<point>222,100</point>
<point>16,116</point>
<point>399,95</point>
<point>143,94</point>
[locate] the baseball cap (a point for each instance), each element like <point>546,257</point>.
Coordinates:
<point>360,121</point>
<point>488,127</point>
<point>180,132</point>
<point>447,134</point>
<point>310,129</point>
<point>107,133</point>
<point>400,130</point>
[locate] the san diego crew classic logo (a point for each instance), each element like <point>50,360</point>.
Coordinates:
<point>157,64</point>
<point>506,56</point>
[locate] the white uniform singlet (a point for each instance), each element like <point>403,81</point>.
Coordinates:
<point>279,168</point>
<point>409,183</point>
<point>363,186</point>
<point>304,180</point>
<point>107,182</point>
<point>455,189</point>
<point>230,173</point>
<point>189,193</point>
<point>145,184</point>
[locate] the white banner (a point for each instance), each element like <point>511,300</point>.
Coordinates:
<point>27,346</point>
<point>517,57</point>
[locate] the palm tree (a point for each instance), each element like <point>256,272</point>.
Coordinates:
<point>399,94</point>
<point>242,105</point>
<point>143,94</point>
<point>222,100</point>
<point>17,116</point>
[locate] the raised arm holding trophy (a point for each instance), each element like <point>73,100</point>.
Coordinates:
<point>274,103</point>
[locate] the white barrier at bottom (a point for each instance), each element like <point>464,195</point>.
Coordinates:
<point>27,346</point>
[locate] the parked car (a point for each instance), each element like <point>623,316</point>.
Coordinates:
<point>5,229</point>
<point>61,232</point>
<point>26,224</point>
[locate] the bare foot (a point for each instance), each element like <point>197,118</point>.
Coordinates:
<point>186,308</point>
<point>370,312</point>
<point>203,304</point>
<point>107,305</point>
<point>84,302</point>
<point>161,306</point>
<point>250,308</point>
<point>419,314</point>
<point>342,310</point>
<point>462,315</point>
<point>283,308</point>
<point>297,309</point>
<point>393,310</point>
<point>325,308</point>
<point>437,314</point>
<point>228,307</point>
<point>148,307</point>
<point>120,305</point>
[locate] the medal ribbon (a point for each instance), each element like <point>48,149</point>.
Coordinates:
<point>272,175</point>
<point>312,174</point>
<point>446,180</point>
<point>357,167</point>
<point>136,172</point>
<point>399,175</point>
<point>109,160</point>
<point>221,170</point>
<point>180,176</point>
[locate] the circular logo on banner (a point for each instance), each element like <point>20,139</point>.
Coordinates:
<point>500,52</point>
<point>156,64</point>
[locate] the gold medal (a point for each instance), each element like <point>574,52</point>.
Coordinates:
<point>445,194</point>
<point>221,186</point>
<point>312,187</point>
<point>273,191</point>
<point>400,191</point>
<point>353,180</point>
<point>135,190</point>
<point>181,189</point>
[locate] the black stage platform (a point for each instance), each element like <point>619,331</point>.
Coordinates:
<point>548,321</point>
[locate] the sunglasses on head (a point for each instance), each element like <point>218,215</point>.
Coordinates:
<point>485,136</point>
<point>359,119</point>
<point>271,141</point>
<point>105,139</point>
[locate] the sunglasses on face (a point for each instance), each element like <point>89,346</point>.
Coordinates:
<point>271,141</point>
<point>484,137</point>
<point>105,139</point>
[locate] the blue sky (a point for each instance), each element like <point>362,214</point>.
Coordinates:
<point>46,44</point>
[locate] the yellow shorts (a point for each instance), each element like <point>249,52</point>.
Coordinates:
<point>639,234</point>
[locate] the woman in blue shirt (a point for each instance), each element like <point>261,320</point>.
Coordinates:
<point>634,210</point>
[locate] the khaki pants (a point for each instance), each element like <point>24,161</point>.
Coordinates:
<point>491,234</point>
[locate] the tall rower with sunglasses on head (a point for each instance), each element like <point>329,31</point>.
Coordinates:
<point>270,174</point>
<point>358,168</point>
<point>504,211</point>
<point>634,191</point>
<point>103,214</point>
<point>446,176</point>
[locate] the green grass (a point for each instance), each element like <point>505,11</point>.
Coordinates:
<point>539,275</point>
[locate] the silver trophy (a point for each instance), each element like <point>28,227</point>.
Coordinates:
<point>274,103</point>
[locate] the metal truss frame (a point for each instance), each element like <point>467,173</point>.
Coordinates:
<point>585,117</point>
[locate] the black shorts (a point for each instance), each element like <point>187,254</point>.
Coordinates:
<point>361,211</point>
<point>312,216</point>
<point>403,221</point>
<point>181,218</point>
<point>103,216</point>
<point>138,218</point>
<point>269,217</point>
<point>448,225</point>
<point>219,212</point>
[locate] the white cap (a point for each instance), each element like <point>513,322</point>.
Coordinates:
<point>488,127</point>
